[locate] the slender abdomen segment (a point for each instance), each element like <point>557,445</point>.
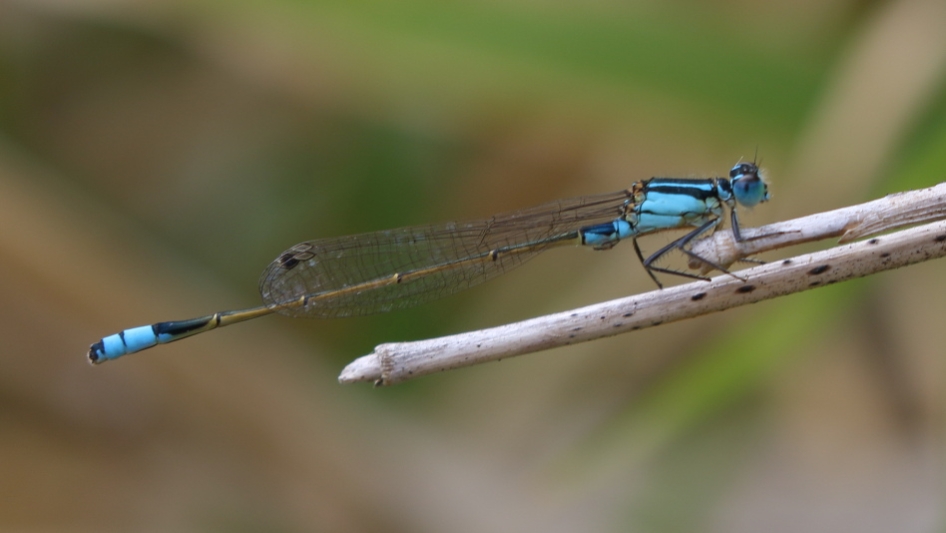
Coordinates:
<point>128,341</point>
<point>140,338</point>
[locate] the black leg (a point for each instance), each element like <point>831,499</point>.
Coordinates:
<point>640,256</point>
<point>735,225</point>
<point>739,238</point>
<point>680,244</point>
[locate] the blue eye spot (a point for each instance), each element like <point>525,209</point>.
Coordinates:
<point>747,184</point>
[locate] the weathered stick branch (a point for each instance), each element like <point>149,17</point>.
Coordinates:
<point>396,362</point>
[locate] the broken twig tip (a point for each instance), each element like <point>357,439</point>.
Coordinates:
<point>364,369</point>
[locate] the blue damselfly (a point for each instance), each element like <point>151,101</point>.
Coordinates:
<point>393,269</point>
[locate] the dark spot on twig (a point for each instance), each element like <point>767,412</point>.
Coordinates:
<point>873,241</point>
<point>745,289</point>
<point>786,262</point>
<point>698,296</point>
<point>819,270</point>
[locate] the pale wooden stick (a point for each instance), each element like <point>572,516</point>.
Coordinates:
<point>396,362</point>
<point>849,223</point>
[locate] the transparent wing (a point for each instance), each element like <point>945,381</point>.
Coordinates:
<point>386,270</point>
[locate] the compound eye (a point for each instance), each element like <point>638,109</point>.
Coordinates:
<point>748,187</point>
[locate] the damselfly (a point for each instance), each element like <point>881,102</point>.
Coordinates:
<point>386,270</point>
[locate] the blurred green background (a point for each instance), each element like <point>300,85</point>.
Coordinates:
<point>155,156</point>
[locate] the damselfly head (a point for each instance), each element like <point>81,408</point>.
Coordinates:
<point>747,184</point>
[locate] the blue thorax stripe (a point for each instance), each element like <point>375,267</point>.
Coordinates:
<point>700,189</point>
